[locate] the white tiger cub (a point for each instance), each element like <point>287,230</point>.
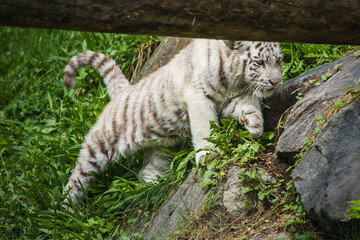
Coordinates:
<point>206,80</point>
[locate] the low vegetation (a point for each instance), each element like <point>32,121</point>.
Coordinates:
<point>42,126</point>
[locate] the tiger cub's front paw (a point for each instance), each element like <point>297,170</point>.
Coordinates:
<point>253,121</point>
<point>200,155</point>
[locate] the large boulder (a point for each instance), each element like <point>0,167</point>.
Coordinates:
<point>343,74</point>
<point>328,176</point>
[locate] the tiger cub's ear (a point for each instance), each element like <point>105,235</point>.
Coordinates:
<point>234,45</point>
<point>230,44</point>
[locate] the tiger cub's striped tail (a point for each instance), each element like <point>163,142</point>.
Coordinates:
<point>108,69</point>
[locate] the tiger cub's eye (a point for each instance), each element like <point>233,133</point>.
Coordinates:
<point>260,62</point>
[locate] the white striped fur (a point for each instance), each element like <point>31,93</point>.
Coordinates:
<point>112,74</point>
<point>206,80</point>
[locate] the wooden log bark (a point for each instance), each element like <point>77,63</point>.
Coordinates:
<point>316,21</point>
<point>167,49</point>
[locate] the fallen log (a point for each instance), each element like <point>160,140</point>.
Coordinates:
<point>312,21</point>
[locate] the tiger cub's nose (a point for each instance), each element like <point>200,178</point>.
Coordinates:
<point>275,82</point>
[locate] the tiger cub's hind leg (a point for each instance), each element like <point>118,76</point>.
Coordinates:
<point>92,158</point>
<point>155,163</point>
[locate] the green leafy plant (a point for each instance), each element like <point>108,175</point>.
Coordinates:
<point>338,104</point>
<point>321,121</point>
<point>254,185</point>
<point>293,207</point>
<point>232,145</point>
<point>355,210</point>
<point>355,91</point>
<point>326,76</point>
<point>315,82</point>
<point>299,95</point>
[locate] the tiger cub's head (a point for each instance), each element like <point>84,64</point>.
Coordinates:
<point>260,65</point>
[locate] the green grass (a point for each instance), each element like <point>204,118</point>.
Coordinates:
<point>42,126</point>
<point>299,58</point>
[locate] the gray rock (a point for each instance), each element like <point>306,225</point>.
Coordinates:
<point>316,102</point>
<point>185,201</point>
<point>266,177</point>
<point>232,197</point>
<point>328,176</point>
